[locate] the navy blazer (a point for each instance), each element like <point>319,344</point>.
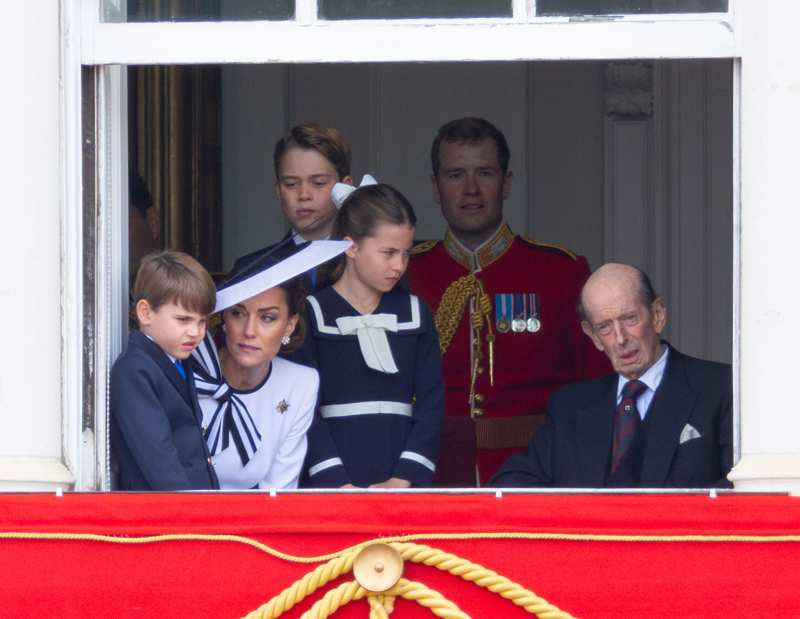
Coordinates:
<point>245,261</point>
<point>156,436</point>
<point>573,447</point>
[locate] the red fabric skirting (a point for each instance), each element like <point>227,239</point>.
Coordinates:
<point>224,579</point>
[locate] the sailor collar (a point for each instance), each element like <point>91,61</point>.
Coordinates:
<point>327,305</point>
<point>485,254</point>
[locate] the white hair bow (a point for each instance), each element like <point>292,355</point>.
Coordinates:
<point>340,191</point>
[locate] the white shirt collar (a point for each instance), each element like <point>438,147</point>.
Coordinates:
<point>171,358</point>
<point>652,377</point>
<point>299,238</point>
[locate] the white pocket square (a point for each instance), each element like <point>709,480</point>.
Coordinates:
<point>688,433</point>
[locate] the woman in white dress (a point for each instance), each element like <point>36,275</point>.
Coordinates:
<point>257,407</point>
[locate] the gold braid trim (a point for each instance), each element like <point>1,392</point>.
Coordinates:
<point>448,316</point>
<point>451,307</point>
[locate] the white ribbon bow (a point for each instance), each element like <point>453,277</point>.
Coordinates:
<point>371,331</point>
<point>341,191</point>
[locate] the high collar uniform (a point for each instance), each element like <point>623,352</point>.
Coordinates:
<point>686,440</point>
<point>527,365</point>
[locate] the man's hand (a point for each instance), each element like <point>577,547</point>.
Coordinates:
<point>392,482</point>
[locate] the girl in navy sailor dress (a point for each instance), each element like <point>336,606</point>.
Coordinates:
<point>381,399</point>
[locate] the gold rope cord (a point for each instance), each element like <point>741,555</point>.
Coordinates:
<point>340,562</point>
<point>451,308</point>
<point>416,553</point>
<point>381,605</point>
<point>467,288</point>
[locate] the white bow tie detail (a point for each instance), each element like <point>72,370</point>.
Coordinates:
<point>371,331</point>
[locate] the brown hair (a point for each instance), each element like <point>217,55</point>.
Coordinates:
<point>328,142</point>
<point>471,130</point>
<point>364,210</point>
<point>174,277</point>
<point>296,290</point>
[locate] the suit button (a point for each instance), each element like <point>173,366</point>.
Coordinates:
<point>210,463</point>
<point>479,398</point>
<point>204,429</point>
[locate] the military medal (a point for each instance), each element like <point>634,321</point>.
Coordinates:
<point>518,323</point>
<point>533,322</point>
<point>501,308</point>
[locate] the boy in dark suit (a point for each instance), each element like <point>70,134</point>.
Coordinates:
<point>156,436</point>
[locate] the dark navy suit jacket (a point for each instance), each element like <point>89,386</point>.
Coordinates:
<point>156,436</point>
<point>250,259</point>
<point>573,447</point>
<point>244,261</point>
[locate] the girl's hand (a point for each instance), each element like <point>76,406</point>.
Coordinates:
<point>348,487</point>
<point>392,482</point>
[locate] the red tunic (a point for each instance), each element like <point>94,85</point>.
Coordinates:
<point>527,366</point>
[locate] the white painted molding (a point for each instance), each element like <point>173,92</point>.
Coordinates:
<point>111,272</point>
<point>33,474</point>
<point>71,239</point>
<point>406,40</point>
<point>767,473</point>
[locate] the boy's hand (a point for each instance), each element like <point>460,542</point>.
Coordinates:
<point>392,482</point>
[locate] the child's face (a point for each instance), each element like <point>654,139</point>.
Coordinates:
<point>304,189</point>
<point>380,260</point>
<point>175,329</point>
<point>254,328</point>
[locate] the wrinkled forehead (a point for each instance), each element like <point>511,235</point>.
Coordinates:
<point>608,299</point>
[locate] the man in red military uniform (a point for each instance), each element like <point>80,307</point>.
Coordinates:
<point>505,308</point>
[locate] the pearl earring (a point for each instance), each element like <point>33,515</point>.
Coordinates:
<point>285,340</point>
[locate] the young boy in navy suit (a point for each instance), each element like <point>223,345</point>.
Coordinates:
<point>156,435</point>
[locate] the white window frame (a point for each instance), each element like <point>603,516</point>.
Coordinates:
<point>88,41</point>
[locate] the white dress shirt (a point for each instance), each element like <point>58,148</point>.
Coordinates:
<point>652,378</point>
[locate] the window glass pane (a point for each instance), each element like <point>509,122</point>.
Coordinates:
<point>546,8</point>
<point>197,10</point>
<point>402,9</point>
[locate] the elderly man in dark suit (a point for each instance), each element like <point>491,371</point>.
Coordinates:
<point>662,419</point>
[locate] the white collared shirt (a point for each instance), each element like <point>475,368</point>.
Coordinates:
<point>299,239</point>
<point>652,378</point>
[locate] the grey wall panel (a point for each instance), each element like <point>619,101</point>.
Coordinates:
<point>565,142</point>
<point>253,117</point>
<point>416,99</point>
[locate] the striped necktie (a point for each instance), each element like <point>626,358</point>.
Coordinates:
<point>626,421</point>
